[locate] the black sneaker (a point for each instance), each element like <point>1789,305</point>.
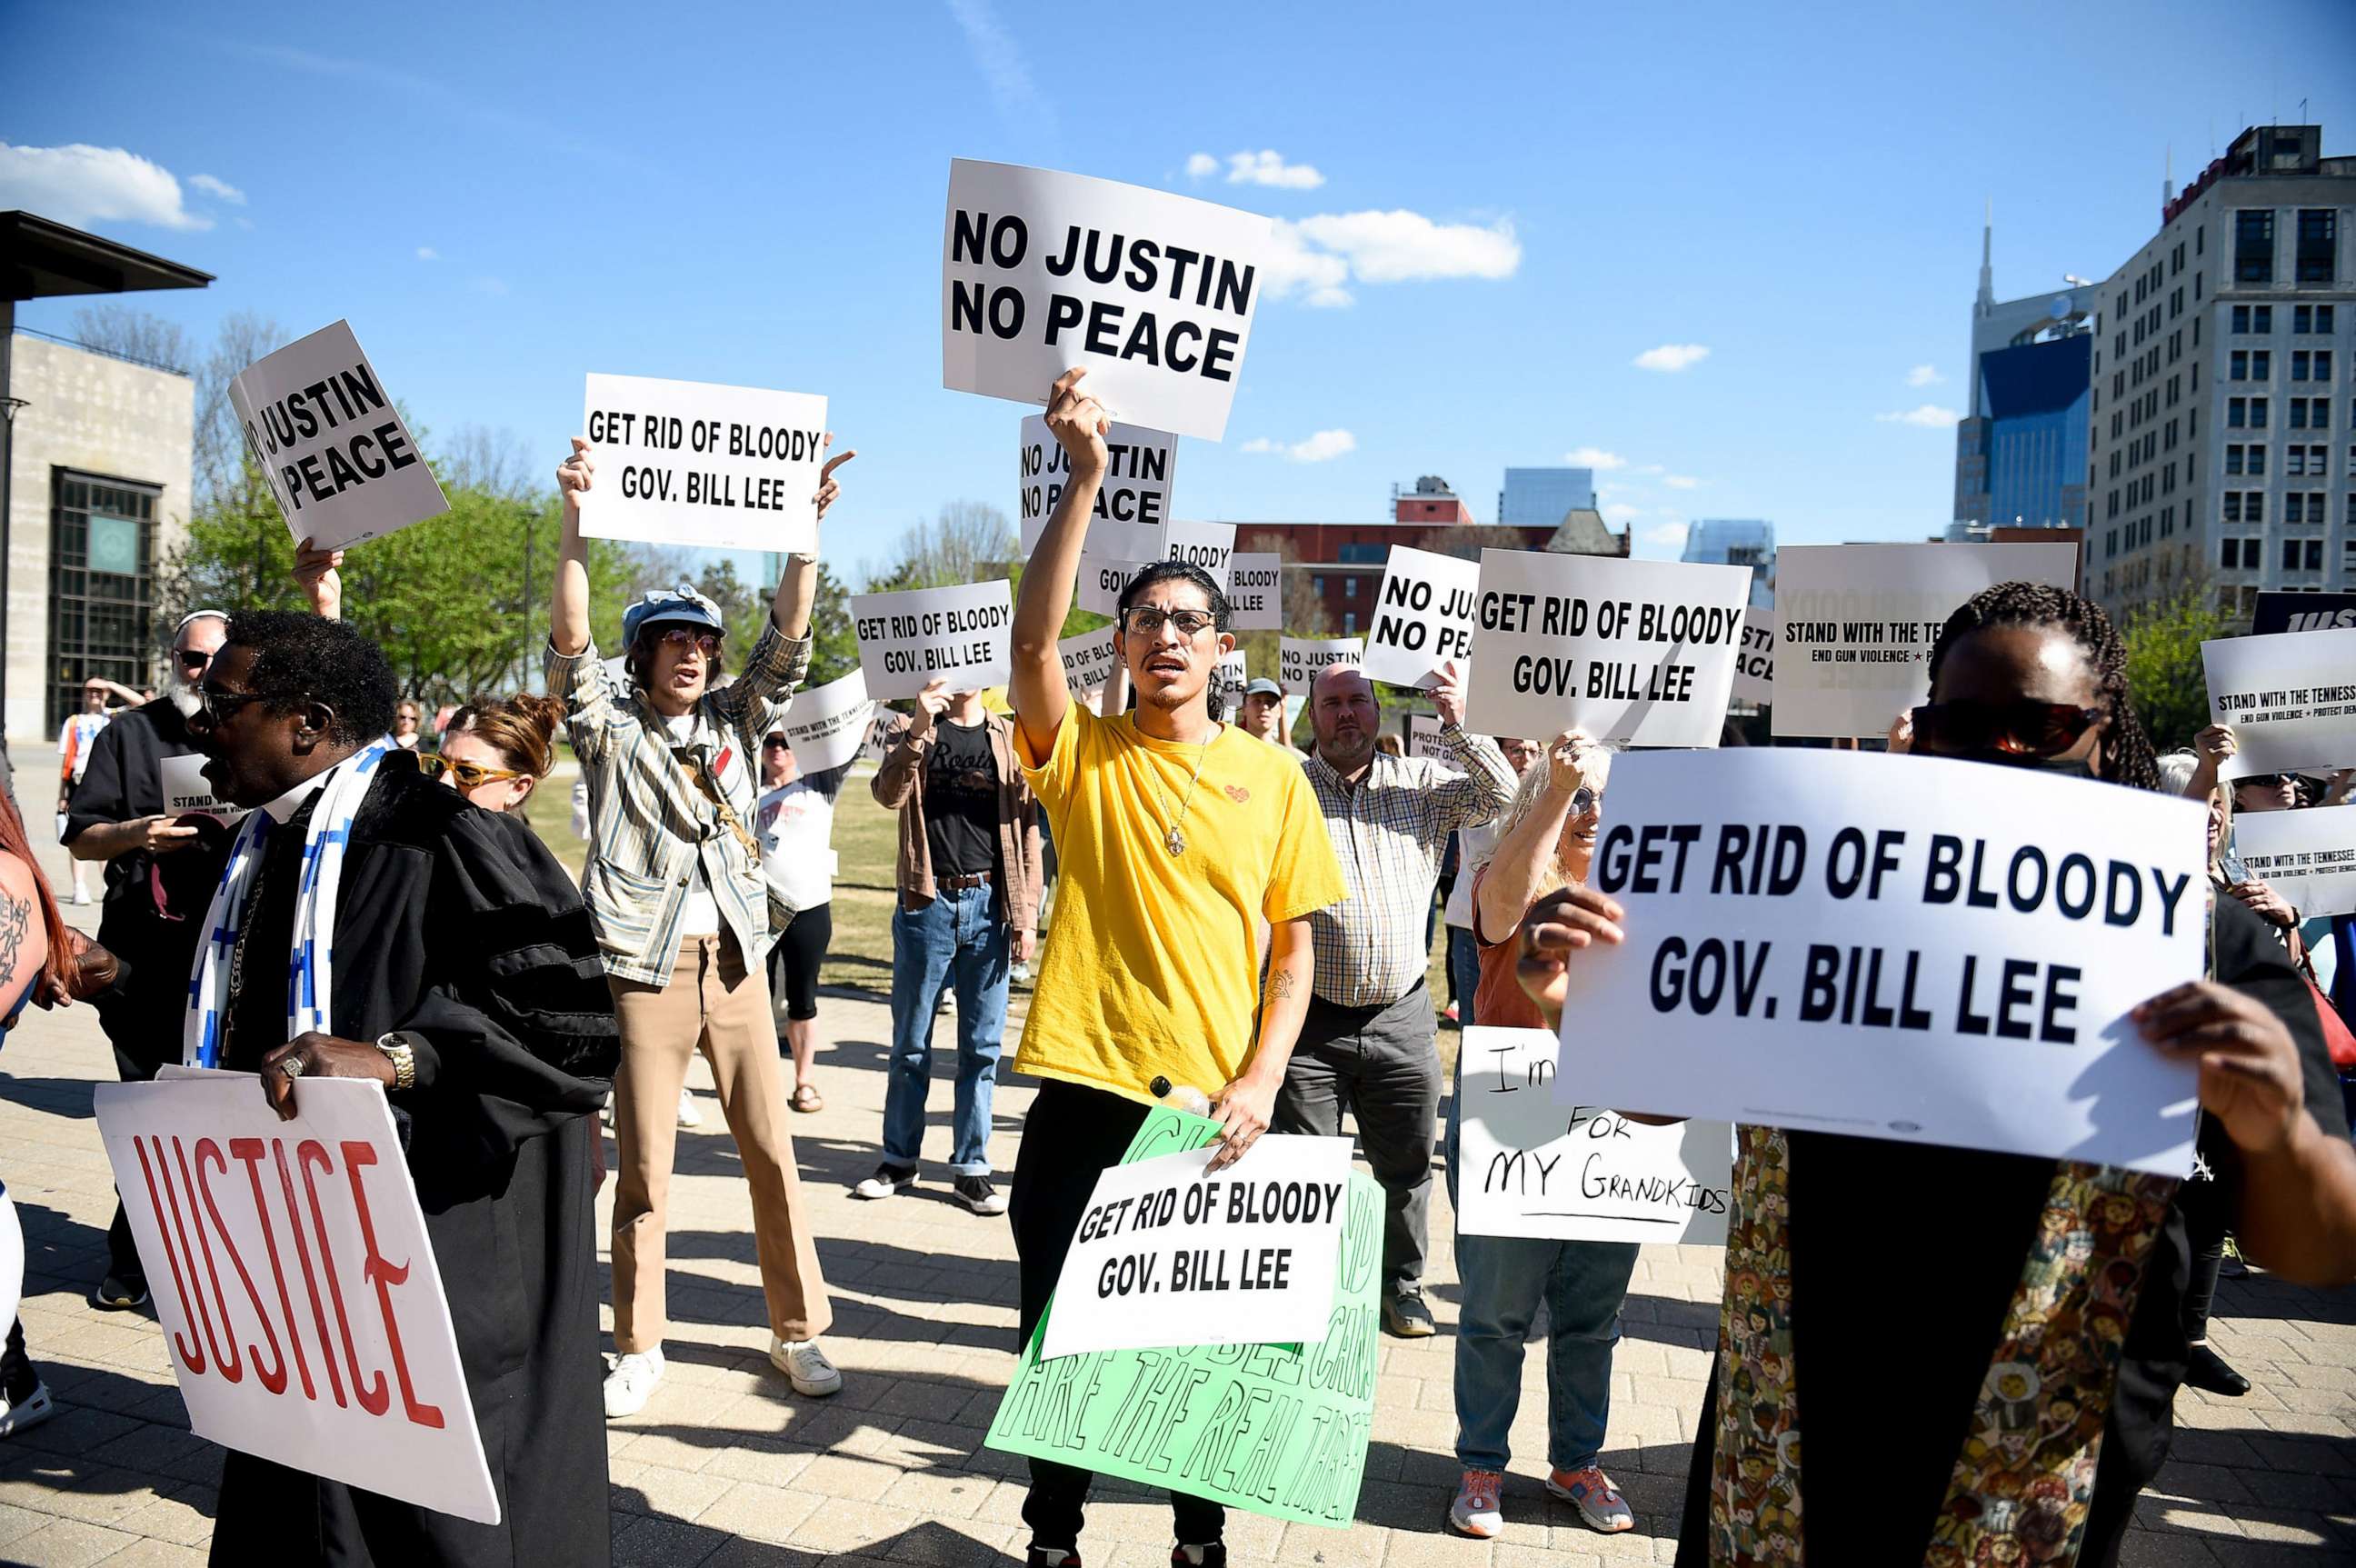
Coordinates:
<point>980,1194</point>
<point>889,1181</point>
<point>1214,1556</point>
<point>1044,1557</point>
<point>118,1293</point>
<point>1407,1317</point>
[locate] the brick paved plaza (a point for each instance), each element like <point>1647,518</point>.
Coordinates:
<point>726,1466</point>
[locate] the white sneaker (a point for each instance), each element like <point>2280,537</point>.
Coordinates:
<point>805,1367</point>
<point>37,1407</point>
<point>689,1116</point>
<point>632,1382</point>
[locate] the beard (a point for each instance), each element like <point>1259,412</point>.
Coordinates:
<point>182,692</point>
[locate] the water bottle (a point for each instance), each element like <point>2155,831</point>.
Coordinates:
<point>1180,1096</point>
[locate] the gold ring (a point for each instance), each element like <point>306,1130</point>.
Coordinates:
<point>292,1067</point>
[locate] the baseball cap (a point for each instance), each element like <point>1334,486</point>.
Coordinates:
<point>1263,687</point>
<point>681,603</point>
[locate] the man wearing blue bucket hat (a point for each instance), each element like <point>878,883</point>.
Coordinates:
<point>684,916</point>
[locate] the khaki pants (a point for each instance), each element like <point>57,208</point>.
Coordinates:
<point>715,1004</point>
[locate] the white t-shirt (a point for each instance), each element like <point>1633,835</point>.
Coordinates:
<point>1474,846</point>
<point>795,825</point>
<point>700,914</point>
<point>76,737</point>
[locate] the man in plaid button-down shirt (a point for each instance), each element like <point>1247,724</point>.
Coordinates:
<point>1371,1040</point>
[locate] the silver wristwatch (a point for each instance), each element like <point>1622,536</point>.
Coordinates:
<point>396,1046</point>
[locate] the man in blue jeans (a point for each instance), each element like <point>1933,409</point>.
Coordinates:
<point>969,884</point>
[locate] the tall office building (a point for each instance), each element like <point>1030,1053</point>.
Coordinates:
<point>1728,541</point>
<point>1535,497</point>
<point>2219,449</point>
<point>2020,452</point>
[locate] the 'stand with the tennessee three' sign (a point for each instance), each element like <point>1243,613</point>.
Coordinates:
<point>298,1295</point>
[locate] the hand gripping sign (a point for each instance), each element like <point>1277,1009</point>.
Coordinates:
<point>2290,697</point>
<point>959,634</point>
<point>337,456</point>
<point>1276,1429</point>
<point>1152,293</point>
<point>300,1299</point>
<point>1132,511</point>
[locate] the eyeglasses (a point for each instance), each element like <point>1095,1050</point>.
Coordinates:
<point>468,774</point>
<point>1147,619</point>
<point>1963,727</point>
<point>678,638</point>
<point>192,658</point>
<point>217,707</point>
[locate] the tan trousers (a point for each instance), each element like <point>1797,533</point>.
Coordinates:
<point>715,1004</point>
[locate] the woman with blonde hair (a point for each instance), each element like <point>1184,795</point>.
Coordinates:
<point>1546,841</point>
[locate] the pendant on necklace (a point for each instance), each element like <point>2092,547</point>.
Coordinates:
<point>1176,841</point>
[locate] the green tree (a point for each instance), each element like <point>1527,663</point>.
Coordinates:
<point>2165,678</point>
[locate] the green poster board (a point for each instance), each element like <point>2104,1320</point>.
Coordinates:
<point>114,545</point>
<point>1273,1429</point>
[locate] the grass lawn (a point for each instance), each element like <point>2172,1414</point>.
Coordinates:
<point>865,839</point>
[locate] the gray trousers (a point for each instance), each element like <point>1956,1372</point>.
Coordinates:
<point>1383,1065</point>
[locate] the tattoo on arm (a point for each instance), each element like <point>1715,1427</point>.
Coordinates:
<point>1280,984</point>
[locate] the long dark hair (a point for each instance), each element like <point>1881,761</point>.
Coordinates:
<point>2127,756</point>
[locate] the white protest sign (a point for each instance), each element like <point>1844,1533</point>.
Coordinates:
<point>693,463</point>
<point>1132,505</point>
<point>1634,650</point>
<point>826,726</point>
<point>300,1299</point>
<point>338,460</point>
<point>182,780</point>
<point>1854,624</point>
<point>1897,947</point>
<point>1298,660</point>
<point>1167,1256</point>
<point>1228,679</point>
<point>1293,702</point>
<point>1528,1166</point>
<point>1088,659</point>
<point>12,1263</point>
<point>1423,617</point>
<point>2308,856</point>
<point>1152,293</point>
<point>959,634</point>
<point>1754,666</point>
<point>1210,545</point>
<point>2290,697</point>
<point>1423,737</point>
<point>1256,590</point>
<point>876,745</point>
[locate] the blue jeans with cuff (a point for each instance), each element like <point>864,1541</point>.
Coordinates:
<point>957,939</point>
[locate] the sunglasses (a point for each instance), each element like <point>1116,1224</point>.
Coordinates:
<point>678,638</point>
<point>190,659</point>
<point>217,707</point>
<point>1584,800</point>
<point>468,774</point>
<point>1965,727</point>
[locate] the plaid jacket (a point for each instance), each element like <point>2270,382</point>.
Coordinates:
<point>1389,832</point>
<point>651,826</point>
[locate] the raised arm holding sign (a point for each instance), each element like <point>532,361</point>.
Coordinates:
<point>338,458</point>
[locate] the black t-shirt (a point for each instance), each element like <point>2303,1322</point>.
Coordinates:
<point>961,799</point>
<point>1904,1259</point>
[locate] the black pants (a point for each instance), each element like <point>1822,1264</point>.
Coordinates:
<point>794,960</point>
<point>1070,1137</point>
<point>17,1377</point>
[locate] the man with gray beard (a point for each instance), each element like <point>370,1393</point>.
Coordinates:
<point>160,876</point>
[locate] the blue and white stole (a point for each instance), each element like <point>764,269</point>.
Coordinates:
<point>310,969</point>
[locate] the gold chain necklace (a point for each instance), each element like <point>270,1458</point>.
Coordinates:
<point>1175,840</point>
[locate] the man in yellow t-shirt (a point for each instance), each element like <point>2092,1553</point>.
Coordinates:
<point>1177,837</point>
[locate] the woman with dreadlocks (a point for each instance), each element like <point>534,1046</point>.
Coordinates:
<point>1984,1348</point>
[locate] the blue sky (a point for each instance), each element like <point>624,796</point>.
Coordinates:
<point>501,200</point>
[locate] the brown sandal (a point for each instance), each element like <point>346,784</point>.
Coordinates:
<point>806,1098</point>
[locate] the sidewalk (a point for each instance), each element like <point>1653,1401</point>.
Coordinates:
<point>726,1466</point>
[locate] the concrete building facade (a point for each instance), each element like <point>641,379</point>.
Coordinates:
<point>101,462</point>
<point>2220,448</point>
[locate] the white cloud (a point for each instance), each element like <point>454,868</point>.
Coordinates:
<point>1321,447</point>
<point>1930,416</point>
<point>428,254</point>
<point>1202,165</point>
<point>1319,275</point>
<point>1667,535</point>
<point>218,188</point>
<point>1266,167</point>
<point>80,185</point>
<point>1924,376</point>
<point>1399,246</point>
<point>1621,511</point>
<point>1680,481</point>
<point>1001,62</point>
<point>1672,357</point>
<point>1594,457</point>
